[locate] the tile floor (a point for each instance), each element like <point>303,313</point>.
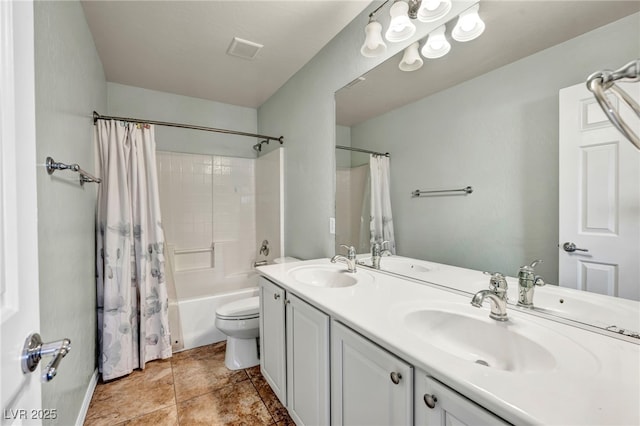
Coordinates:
<point>192,388</point>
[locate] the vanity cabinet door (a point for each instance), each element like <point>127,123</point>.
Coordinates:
<point>307,363</point>
<point>439,405</point>
<point>369,386</point>
<point>272,337</point>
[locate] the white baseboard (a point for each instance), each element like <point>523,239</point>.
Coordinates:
<point>87,398</point>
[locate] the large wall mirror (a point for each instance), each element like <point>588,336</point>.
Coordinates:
<point>485,115</point>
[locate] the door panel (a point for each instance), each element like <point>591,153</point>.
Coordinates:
<point>19,293</point>
<point>369,386</point>
<point>307,363</point>
<point>599,197</point>
<point>272,338</point>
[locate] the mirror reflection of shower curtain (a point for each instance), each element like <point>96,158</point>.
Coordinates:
<point>381,225</point>
<point>364,234</point>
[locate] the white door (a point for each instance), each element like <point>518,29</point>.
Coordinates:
<point>599,197</point>
<point>19,294</point>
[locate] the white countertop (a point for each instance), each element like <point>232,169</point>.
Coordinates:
<point>596,379</point>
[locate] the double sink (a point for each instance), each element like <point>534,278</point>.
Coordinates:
<point>460,331</point>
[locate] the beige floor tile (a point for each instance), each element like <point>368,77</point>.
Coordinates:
<point>269,398</point>
<point>202,370</point>
<point>163,417</point>
<point>140,393</point>
<point>235,404</point>
<point>209,394</point>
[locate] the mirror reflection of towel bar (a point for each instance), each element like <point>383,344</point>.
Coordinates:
<point>418,193</point>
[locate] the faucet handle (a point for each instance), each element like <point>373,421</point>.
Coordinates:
<point>351,251</point>
<point>529,268</point>
<point>497,282</point>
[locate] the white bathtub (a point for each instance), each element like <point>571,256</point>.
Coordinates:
<point>198,300</point>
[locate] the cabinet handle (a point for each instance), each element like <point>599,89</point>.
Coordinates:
<point>430,400</point>
<point>276,296</point>
<point>287,301</point>
<point>395,377</point>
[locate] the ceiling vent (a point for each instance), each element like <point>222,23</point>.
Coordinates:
<point>243,48</point>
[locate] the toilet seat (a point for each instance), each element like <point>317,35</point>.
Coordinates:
<point>242,309</point>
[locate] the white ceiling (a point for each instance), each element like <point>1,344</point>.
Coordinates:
<point>180,46</point>
<point>514,29</point>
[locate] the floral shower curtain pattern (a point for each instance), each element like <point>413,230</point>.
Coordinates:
<point>131,292</point>
<point>381,225</point>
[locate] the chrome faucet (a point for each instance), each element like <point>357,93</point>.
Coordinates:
<point>377,252</point>
<point>497,295</point>
<point>527,282</point>
<point>349,259</point>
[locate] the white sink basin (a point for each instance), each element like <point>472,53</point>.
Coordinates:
<point>483,341</point>
<point>328,276</point>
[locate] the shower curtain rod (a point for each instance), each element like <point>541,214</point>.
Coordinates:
<point>366,151</point>
<point>97,117</point>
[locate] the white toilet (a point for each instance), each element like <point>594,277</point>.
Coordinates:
<point>239,320</point>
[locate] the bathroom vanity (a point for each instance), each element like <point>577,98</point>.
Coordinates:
<point>373,348</point>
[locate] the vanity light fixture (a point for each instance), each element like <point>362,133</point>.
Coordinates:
<point>432,10</point>
<point>411,59</point>
<point>437,44</point>
<point>400,28</point>
<point>373,43</point>
<point>469,25</point>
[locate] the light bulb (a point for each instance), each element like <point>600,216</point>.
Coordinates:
<point>431,5</point>
<point>400,28</point>
<point>432,10</point>
<point>437,44</point>
<point>469,25</point>
<point>411,60</point>
<point>373,44</point>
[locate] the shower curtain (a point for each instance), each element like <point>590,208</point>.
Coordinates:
<point>381,225</point>
<point>131,292</point>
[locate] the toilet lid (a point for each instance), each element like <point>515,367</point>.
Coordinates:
<point>240,308</point>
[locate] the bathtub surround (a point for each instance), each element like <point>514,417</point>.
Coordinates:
<point>133,324</point>
<point>208,206</point>
<point>70,83</point>
<point>270,175</point>
<point>211,206</point>
<point>353,205</point>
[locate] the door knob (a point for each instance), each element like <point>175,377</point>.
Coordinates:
<point>569,247</point>
<point>34,350</point>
